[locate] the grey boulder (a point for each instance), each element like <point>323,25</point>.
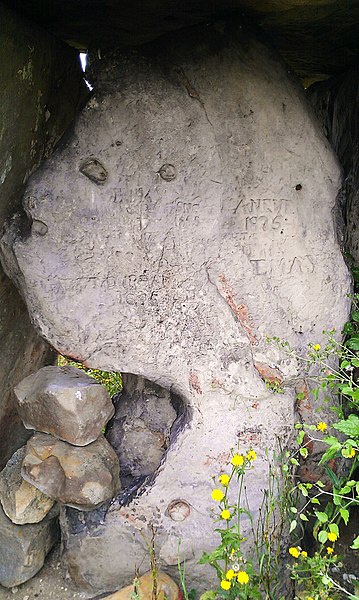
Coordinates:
<point>23,548</point>
<point>83,478</point>
<point>65,402</point>
<point>22,502</point>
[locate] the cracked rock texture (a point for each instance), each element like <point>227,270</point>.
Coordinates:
<point>81,477</point>
<point>22,502</point>
<point>65,402</point>
<point>189,213</point>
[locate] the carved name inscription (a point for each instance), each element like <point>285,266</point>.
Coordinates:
<point>266,220</point>
<point>264,214</point>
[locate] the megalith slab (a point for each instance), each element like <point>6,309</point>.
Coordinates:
<point>189,214</point>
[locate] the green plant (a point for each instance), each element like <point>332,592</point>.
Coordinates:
<point>239,576</point>
<point>111,380</point>
<point>333,370</point>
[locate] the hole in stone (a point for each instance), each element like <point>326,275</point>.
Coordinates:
<point>147,420</point>
<point>84,62</point>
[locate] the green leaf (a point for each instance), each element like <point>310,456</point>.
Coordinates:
<point>333,528</point>
<point>315,501</point>
<point>349,426</point>
<point>293,510</point>
<point>321,516</point>
<point>303,517</point>
<point>344,513</point>
<point>348,328</point>
<point>295,462</point>
<point>355,544</point>
<point>300,437</point>
<point>344,363</point>
<point>322,536</point>
<point>303,489</point>
<point>303,452</point>
<point>330,453</point>
<point>355,316</point>
<point>355,362</point>
<point>353,342</point>
<point>293,525</point>
<point>346,389</point>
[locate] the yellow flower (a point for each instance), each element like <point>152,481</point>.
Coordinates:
<point>230,574</point>
<point>294,552</point>
<point>224,479</point>
<point>217,495</point>
<point>332,537</point>
<point>237,460</point>
<point>242,577</point>
<point>304,554</point>
<point>310,598</point>
<point>225,514</point>
<point>330,550</point>
<point>316,347</point>
<point>351,453</point>
<point>251,455</point>
<point>225,585</point>
<point>322,426</point>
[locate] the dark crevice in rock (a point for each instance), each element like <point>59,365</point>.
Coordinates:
<point>148,418</point>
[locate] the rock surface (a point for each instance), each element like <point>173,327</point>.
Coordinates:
<point>65,402</point>
<point>140,429</point>
<point>316,37</point>
<point>167,589</point>
<point>80,477</point>
<point>41,85</point>
<point>22,502</point>
<point>23,548</point>
<point>336,104</point>
<point>213,227</point>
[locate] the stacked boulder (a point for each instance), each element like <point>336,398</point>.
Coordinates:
<point>67,461</point>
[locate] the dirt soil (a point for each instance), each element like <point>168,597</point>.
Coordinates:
<point>48,584</point>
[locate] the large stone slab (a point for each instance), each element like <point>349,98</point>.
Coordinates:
<point>65,402</point>
<point>22,502</point>
<point>80,477</point>
<point>189,214</point>
<point>23,548</point>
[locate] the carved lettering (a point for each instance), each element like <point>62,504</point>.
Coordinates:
<point>291,266</point>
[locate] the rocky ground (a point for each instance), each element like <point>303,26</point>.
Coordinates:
<point>48,584</point>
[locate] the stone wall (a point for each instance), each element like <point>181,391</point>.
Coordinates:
<point>335,102</point>
<point>41,87</point>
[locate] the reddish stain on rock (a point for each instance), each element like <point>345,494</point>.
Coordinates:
<point>240,310</point>
<point>194,383</point>
<point>303,404</point>
<point>269,374</point>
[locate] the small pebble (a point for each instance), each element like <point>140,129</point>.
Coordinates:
<point>26,598</point>
<point>14,590</point>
